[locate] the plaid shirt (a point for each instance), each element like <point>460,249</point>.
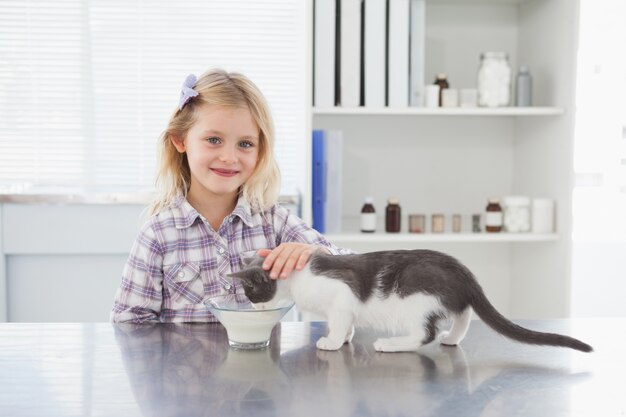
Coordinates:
<point>178,260</point>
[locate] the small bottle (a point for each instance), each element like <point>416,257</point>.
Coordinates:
<point>437,223</point>
<point>476,223</point>
<point>456,223</point>
<point>524,86</point>
<point>493,215</point>
<point>442,81</point>
<point>368,216</point>
<point>392,216</point>
<point>417,223</point>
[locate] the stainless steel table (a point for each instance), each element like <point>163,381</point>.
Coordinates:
<point>189,370</point>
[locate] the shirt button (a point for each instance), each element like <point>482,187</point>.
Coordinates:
<point>227,287</point>
<point>181,274</point>
<point>220,250</point>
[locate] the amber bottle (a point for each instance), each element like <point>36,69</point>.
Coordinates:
<point>442,81</point>
<point>493,216</point>
<point>393,216</point>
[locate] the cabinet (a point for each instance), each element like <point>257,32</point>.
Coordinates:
<point>451,160</point>
<point>63,252</point>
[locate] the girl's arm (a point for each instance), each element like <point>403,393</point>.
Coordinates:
<point>139,297</point>
<point>296,242</point>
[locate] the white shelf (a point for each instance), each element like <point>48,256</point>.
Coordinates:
<point>496,2</point>
<point>440,237</point>
<point>449,111</point>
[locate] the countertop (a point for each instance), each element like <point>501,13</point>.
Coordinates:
<point>19,194</point>
<point>73,195</point>
<point>97,369</point>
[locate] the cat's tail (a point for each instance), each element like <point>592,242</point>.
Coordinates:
<point>487,312</point>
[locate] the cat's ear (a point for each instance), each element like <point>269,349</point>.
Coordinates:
<point>263,274</point>
<point>251,275</point>
<point>239,275</point>
<point>243,277</point>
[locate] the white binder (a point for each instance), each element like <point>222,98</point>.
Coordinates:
<point>350,72</point>
<point>398,66</point>
<point>417,53</point>
<point>375,52</point>
<point>324,44</point>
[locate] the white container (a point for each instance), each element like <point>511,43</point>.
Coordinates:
<point>494,80</point>
<point>468,97</point>
<point>449,97</point>
<point>368,218</point>
<point>516,214</point>
<point>431,94</point>
<point>543,215</point>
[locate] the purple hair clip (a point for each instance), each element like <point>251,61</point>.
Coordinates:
<point>187,91</point>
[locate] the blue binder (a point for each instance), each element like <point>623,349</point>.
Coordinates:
<point>319,180</point>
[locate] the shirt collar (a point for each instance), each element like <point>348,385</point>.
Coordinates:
<point>243,211</point>
<point>185,215</point>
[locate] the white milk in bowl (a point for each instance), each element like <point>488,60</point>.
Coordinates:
<point>246,327</point>
<point>249,326</point>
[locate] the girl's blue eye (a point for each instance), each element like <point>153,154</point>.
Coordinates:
<point>214,140</point>
<point>246,144</point>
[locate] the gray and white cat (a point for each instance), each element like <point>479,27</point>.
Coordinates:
<point>405,293</point>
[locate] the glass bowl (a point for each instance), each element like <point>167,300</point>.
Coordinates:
<point>247,327</point>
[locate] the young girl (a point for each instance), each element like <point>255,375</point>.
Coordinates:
<point>217,190</point>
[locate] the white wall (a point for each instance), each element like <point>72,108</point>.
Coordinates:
<point>599,279</point>
<point>544,153</point>
<point>432,164</point>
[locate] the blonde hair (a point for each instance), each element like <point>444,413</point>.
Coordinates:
<point>229,89</point>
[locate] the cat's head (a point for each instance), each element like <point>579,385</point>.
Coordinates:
<point>257,284</point>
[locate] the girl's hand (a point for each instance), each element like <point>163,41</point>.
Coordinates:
<point>286,257</point>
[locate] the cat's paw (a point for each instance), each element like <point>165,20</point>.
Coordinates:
<point>325,343</point>
<point>385,345</point>
<point>350,335</point>
<point>445,339</point>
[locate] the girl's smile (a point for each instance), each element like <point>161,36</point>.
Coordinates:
<point>224,172</point>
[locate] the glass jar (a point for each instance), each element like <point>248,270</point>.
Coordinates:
<point>437,223</point>
<point>417,223</point>
<point>456,223</point>
<point>516,214</point>
<point>494,80</point>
